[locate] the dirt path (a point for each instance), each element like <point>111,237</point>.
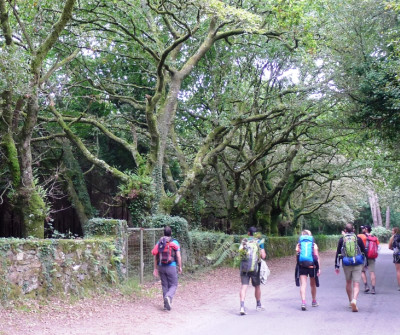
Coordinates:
<point>115,314</point>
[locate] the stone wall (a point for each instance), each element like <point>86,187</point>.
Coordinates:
<point>58,266</point>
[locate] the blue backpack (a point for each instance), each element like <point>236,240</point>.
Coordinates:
<point>306,255</point>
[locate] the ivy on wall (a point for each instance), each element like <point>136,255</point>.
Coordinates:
<point>54,267</point>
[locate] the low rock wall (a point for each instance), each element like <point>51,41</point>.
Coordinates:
<point>57,266</point>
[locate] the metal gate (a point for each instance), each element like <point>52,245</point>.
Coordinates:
<point>140,260</point>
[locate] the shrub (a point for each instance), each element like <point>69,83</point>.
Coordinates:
<point>179,226</point>
<point>381,233</point>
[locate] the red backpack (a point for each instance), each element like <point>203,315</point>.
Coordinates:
<point>372,247</point>
<point>166,252</point>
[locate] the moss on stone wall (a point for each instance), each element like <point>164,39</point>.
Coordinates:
<point>37,267</point>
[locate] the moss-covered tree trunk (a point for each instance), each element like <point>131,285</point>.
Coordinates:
<point>30,203</point>
<point>28,199</point>
<point>275,219</point>
<point>76,186</point>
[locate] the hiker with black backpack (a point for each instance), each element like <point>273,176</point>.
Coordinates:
<point>371,252</point>
<point>167,256</point>
<point>307,266</point>
<point>351,251</point>
<point>394,244</point>
<point>251,252</point>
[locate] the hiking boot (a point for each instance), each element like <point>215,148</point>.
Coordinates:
<point>354,305</point>
<point>303,307</point>
<point>242,311</point>
<point>167,303</point>
<point>366,290</point>
<point>373,291</point>
<point>260,308</point>
<point>315,304</point>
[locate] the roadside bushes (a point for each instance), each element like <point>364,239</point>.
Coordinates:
<point>382,234</point>
<point>214,248</point>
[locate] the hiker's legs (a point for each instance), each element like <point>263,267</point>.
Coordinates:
<point>257,292</point>
<point>164,280</point>
<point>243,291</point>
<point>356,289</point>
<point>364,277</point>
<point>371,270</point>
<point>172,281</point>
<point>313,286</point>
<point>356,277</point>
<point>349,289</point>
<point>398,272</point>
<point>373,278</point>
<point>303,286</point>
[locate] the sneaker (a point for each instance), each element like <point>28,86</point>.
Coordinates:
<point>315,304</point>
<point>354,305</point>
<point>242,311</point>
<point>167,303</point>
<point>373,291</point>
<point>303,307</point>
<point>366,289</point>
<point>260,308</point>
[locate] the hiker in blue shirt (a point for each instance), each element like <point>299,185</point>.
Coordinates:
<point>250,267</point>
<point>307,266</point>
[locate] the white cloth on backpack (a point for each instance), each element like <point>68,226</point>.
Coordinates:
<point>264,272</point>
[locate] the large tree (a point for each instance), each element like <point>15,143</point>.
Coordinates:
<point>139,59</point>
<point>26,41</point>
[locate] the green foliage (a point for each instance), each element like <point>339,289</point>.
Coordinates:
<point>139,192</point>
<point>382,234</point>
<point>14,66</point>
<point>212,248</point>
<point>101,226</point>
<point>179,226</point>
<point>224,249</point>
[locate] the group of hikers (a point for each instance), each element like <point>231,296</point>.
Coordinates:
<point>357,253</point>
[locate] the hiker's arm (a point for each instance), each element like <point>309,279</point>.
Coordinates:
<point>155,271</point>
<point>338,251</point>
<point>390,246</point>
<point>316,259</point>
<point>263,254</point>
<point>179,261</point>
<point>361,245</point>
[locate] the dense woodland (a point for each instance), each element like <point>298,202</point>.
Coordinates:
<point>278,113</point>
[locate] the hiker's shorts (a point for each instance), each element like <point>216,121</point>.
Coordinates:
<point>396,259</point>
<point>309,272</point>
<point>371,265</point>
<point>352,272</point>
<point>254,275</point>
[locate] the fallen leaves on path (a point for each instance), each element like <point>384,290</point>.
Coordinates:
<point>195,290</point>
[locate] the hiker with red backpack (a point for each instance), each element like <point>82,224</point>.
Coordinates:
<point>307,266</point>
<point>394,244</point>
<point>371,252</point>
<point>251,251</point>
<point>167,256</point>
<point>351,251</point>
